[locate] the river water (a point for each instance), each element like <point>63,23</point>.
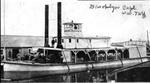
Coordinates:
<point>132,75</point>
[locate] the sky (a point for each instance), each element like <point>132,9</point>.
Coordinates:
<point>26,17</point>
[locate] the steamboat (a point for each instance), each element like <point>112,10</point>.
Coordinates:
<point>58,59</point>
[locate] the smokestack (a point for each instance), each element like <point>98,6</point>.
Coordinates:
<point>59,44</point>
<point>46,39</point>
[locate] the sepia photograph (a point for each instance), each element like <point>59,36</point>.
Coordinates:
<point>75,41</point>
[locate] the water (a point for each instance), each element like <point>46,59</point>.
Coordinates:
<point>133,75</point>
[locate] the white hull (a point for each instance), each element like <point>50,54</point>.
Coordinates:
<point>21,70</point>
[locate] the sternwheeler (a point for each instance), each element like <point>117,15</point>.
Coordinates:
<point>71,53</point>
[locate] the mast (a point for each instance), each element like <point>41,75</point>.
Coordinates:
<point>59,44</point>
<point>147,38</point>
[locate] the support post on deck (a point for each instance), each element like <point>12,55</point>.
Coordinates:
<point>122,54</point>
<point>97,55</point>
<point>106,54</point>
<point>4,53</point>
<point>116,54</point>
<point>75,58</point>
<point>75,55</point>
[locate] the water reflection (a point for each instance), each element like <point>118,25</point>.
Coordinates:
<point>92,76</point>
<point>132,75</point>
<point>87,76</point>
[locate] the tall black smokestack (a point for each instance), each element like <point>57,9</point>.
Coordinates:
<point>46,39</point>
<point>59,45</point>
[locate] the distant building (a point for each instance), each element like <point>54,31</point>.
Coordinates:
<point>23,44</point>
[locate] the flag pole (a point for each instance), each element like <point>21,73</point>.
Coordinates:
<point>4,35</point>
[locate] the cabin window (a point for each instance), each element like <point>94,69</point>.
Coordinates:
<point>69,40</point>
<point>111,55</point>
<point>70,25</point>
<point>82,56</point>
<point>79,26</point>
<point>62,40</point>
<point>15,51</point>
<point>65,25</point>
<point>101,55</point>
<point>75,27</point>
<point>2,56</point>
<point>126,53</point>
<point>77,40</point>
<point>90,40</point>
<point>1,51</point>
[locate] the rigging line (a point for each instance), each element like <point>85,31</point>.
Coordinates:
<point>66,62</point>
<point>120,60</point>
<point>147,38</point>
<point>139,53</point>
<point>86,52</point>
<point>126,68</point>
